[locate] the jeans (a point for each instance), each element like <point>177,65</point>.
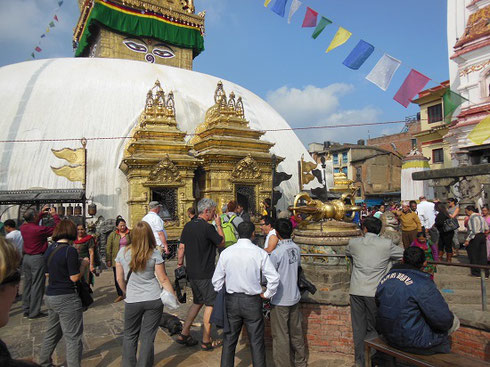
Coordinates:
<point>34,283</point>
<point>244,309</point>
<point>363,314</point>
<point>287,335</point>
<point>65,319</point>
<point>141,320</point>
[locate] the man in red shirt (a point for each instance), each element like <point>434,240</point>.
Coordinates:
<point>35,245</point>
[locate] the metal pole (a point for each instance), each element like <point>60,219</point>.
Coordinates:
<point>483,290</point>
<point>273,205</point>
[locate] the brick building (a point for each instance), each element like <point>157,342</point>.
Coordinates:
<point>401,143</point>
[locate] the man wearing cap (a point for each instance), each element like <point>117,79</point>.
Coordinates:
<point>157,226</point>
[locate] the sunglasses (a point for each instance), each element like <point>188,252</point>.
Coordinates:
<point>13,278</point>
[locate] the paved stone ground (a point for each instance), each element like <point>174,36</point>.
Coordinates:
<point>103,326</point>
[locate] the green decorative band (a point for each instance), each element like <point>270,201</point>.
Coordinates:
<point>415,164</point>
<point>134,23</point>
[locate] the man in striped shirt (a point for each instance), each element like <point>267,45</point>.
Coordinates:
<point>475,243</point>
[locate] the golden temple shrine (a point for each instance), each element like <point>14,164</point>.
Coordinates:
<point>225,160</point>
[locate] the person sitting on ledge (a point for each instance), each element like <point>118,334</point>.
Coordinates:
<point>412,314</point>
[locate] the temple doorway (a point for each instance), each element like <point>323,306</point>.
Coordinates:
<point>245,196</point>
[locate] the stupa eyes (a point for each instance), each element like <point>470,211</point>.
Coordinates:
<point>163,53</point>
<point>134,46</point>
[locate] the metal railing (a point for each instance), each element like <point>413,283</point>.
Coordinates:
<point>470,266</point>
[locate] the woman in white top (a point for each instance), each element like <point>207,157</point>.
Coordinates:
<point>140,271</point>
<point>271,240</point>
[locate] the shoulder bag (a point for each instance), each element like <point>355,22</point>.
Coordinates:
<point>450,224</point>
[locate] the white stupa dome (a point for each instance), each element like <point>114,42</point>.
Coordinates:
<point>94,97</point>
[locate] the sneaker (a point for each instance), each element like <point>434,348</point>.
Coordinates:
<point>38,316</point>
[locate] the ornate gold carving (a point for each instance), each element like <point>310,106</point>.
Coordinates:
<point>473,68</point>
<point>316,210</point>
<point>246,169</point>
<point>165,171</point>
<point>156,104</point>
<point>477,26</point>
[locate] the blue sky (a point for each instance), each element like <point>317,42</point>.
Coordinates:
<point>252,46</point>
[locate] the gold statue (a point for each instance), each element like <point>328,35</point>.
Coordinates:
<point>316,210</point>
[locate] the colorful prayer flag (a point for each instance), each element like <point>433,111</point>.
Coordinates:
<point>279,7</point>
<point>56,17</point>
<point>383,71</point>
<point>267,2</point>
<point>60,2</point>
<point>310,18</point>
<point>43,35</point>
<point>358,55</point>
<point>51,24</point>
<point>339,39</point>
<point>38,49</point>
<point>294,7</point>
<point>481,132</point>
<point>451,102</point>
<point>33,55</point>
<point>321,26</point>
<point>47,30</point>
<point>412,85</point>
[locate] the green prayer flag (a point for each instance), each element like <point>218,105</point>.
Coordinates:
<point>451,102</point>
<point>51,24</point>
<point>321,26</point>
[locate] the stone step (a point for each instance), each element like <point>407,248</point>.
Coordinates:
<point>461,283</point>
<point>464,297</point>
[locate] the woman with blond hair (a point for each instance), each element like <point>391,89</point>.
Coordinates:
<point>9,285</point>
<point>140,271</point>
<point>65,311</point>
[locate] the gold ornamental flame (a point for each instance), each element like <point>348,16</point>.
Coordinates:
<point>342,209</point>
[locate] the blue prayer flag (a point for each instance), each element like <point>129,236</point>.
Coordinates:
<point>43,36</point>
<point>60,2</point>
<point>358,55</point>
<point>279,7</point>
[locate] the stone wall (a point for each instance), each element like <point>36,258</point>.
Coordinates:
<point>472,343</point>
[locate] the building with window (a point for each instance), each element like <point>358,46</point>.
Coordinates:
<point>403,142</point>
<point>433,128</point>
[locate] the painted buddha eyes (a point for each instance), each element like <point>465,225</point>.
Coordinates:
<point>159,50</point>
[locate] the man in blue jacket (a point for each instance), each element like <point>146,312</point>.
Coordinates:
<point>412,314</point>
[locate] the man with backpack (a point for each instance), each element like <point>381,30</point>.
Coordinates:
<point>229,222</point>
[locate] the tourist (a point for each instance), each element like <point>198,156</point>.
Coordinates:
<point>9,286</point>
<point>64,304</point>
<point>242,213</point>
<point>85,245</point>
<point>445,237</point>
<point>412,314</point>
<point>157,226</point>
<point>410,224</point>
<point>372,256</point>
<point>198,244</point>
<point>287,333</point>
<point>453,210</point>
<point>119,238</point>
<point>229,222</point>
<point>140,271</point>
<point>430,252</point>
<point>486,215</point>
<point>267,227</point>
<point>191,213</point>
<point>35,245</point>
<point>476,240</point>
<point>426,213</point>
<point>239,268</point>
<point>14,236</point>
<point>413,206</point>
<point>380,211</point>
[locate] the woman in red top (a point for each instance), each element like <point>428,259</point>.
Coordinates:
<point>85,245</point>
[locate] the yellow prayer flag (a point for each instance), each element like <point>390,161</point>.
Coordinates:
<point>340,38</point>
<point>267,2</point>
<point>47,30</point>
<point>73,156</point>
<point>480,132</point>
<point>73,173</point>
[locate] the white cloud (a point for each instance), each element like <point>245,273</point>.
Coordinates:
<point>316,107</point>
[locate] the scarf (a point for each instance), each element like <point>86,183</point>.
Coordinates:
<point>83,240</point>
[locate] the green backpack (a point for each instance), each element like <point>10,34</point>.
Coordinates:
<point>229,230</point>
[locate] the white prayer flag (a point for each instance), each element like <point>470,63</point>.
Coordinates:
<point>383,72</point>
<point>294,7</point>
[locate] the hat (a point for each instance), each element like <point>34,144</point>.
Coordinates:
<point>154,204</point>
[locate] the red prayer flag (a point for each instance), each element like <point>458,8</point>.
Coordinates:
<point>412,85</point>
<point>38,49</point>
<point>310,18</point>
<point>56,18</point>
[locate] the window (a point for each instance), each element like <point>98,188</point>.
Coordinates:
<point>336,170</point>
<point>435,113</point>
<point>437,156</point>
<point>344,170</point>
<point>335,159</point>
<point>414,143</point>
<point>167,196</point>
<point>344,157</point>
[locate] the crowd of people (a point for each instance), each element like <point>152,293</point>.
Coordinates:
<point>395,301</point>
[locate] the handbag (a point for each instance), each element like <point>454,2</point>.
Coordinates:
<point>304,284</point>
<point>180,273</point>
<point>450,224</point>
<point>83,289</point>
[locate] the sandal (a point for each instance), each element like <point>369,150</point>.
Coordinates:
<point>186,340</point>
<point>211,345</point>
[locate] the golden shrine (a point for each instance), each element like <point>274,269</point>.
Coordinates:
<point>225,160</point>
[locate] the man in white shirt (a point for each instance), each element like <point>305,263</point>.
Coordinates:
<point>267,226</point>
<point>427,215</point>
<point>13,235</point>
<point>157,226</point>
<point>240,266</point>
